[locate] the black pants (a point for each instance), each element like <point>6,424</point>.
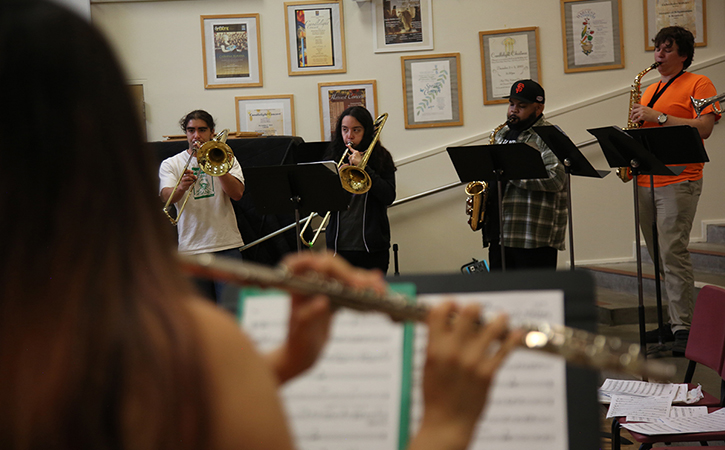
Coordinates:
<point>522,258</point>
<point>375,260</point>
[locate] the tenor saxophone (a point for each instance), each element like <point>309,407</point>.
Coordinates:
<point>625,173</point>
<point>477,192</point>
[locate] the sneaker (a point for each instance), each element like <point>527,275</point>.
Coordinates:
<point>653,336</point>
<point>678,348</point>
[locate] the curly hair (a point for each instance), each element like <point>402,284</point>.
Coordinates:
<point>682,37</point>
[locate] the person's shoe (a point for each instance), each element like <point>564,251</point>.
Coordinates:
<point>680,344</point>
<point>653,336</point>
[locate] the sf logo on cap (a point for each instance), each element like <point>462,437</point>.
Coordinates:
<point>519,88</point>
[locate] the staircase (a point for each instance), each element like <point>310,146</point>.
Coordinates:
<point>617,287</point>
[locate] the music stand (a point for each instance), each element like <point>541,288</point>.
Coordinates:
<point>680,144</point>
<point>497,162</point>
<point>302,188</point>
<point>574,163</point>
<point>622,150</point>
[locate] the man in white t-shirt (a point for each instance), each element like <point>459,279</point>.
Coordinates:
<point>208,223</point>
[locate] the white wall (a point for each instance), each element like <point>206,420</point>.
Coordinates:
<point>160,45</point>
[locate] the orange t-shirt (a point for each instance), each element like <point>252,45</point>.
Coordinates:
<point>675,101</point>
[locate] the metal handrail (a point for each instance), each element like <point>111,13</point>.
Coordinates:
<point>395,203</point>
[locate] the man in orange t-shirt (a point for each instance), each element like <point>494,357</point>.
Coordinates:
<point>667,103</point>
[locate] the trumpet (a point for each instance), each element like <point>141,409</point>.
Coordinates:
<point>576,346</point>
<point>215,158</point>
<point>700,104</point>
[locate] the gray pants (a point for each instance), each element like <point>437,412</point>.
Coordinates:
<point>676,207</point>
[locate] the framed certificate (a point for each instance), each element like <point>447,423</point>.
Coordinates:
<point>337,97</point>
<point>315,37</point>
<point>271,115</point>
<point>432,90</point>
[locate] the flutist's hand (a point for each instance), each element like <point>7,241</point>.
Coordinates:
<point>310,317</point>
<point>462,360</point>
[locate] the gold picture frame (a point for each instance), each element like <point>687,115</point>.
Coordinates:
<point>592,35</point>
<point>335,97</point>
<point>231,51</point>
<point>271,115</point>
<point>508,56</point>
<point>322,20</point>
<point>694,20</point>
<point>432,90</point>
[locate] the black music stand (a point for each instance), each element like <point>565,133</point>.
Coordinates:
<point>498,162</point>
<point>574,163</point>
<point>622,150</point>
<point>302,188</point>
<point>680,144</point>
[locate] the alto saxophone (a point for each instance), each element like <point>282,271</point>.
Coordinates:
<point>625,173</point>
<point>477,192</point>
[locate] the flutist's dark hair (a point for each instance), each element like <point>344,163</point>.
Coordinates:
<point>380,160</point>
<point>97,350</point>
<point>682,37</point>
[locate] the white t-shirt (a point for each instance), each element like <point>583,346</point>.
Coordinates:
<point>208,223</point>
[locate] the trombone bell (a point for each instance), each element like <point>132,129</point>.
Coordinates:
<point>702,103</point>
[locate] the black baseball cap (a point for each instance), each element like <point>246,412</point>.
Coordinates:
<point>527,91</point>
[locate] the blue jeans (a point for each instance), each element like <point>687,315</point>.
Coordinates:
<point>214,289</point>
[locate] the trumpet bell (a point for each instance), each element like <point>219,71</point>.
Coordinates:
<point>355,180</point>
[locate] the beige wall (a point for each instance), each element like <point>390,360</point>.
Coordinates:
<point>160,45</point>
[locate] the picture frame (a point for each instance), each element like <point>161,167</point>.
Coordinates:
<point>592,35</point>
<point>402,25</point>
<point>694,19</point>
<point>432,90</point>
<point>231,51</point>
<point>271,115</point>
<point>335,97</point>
<point>315,37</point>
<point>508,56</point>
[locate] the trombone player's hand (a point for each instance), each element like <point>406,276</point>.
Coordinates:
<point>187,180</point>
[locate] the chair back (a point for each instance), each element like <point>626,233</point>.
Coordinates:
<point>706,343</point>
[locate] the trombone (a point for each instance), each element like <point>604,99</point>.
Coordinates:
<point>700,104</point>
<point>354,179</point>
<point>215,158</point>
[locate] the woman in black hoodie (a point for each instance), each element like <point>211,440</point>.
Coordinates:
<point>361,234</point>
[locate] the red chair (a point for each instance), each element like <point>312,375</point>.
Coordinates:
<point>705,345</point>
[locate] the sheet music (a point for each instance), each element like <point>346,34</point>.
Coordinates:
<point>714,421</point>
<point>675,412</point>
<point>351,399</point>
<point>527,404</point>
<point>629,405</point>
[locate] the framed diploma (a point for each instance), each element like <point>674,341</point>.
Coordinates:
<point>592,35</point>
<point>271,115</point>
<point>432,90</point>
<point>315,37</point>
<point>688,14</point>
<point>231,51</point>
<point>506,57</point>
<point>337,97</point>
<point>402,25</point>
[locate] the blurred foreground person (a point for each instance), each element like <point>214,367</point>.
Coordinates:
<point>104,344</point>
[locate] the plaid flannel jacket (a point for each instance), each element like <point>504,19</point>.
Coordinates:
<point>534,210</point>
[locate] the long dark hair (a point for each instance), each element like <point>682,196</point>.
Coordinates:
<point>97,346</point>
<point>380,160</point>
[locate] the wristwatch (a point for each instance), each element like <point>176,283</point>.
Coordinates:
<point>662,118</point>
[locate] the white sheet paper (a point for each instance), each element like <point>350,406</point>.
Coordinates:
<point>527,404</point>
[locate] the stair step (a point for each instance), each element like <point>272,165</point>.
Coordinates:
<point>705,256</point>
<point>618,308</point>
<point>716,233</point>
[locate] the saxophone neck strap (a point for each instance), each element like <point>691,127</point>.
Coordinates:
<point>661,89</point>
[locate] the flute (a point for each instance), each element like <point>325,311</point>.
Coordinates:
<point>576,346</point>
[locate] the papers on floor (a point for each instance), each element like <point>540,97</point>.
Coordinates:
<point>650,406</point>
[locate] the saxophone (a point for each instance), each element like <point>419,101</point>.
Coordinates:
<point>477,192</point>
<point>625,173</point>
